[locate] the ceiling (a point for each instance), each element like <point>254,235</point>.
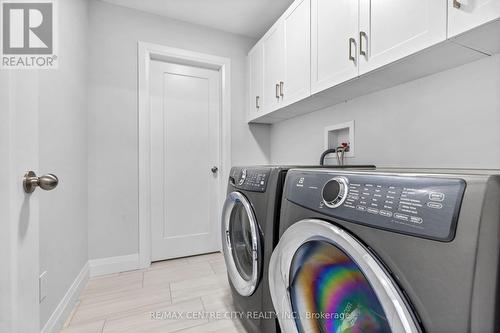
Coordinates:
<point>250,18</point>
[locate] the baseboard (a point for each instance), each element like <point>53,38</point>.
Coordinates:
<point>64,308</point>
<point>112,265</point>
<point>92,268</point>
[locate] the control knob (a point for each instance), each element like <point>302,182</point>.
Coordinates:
<point>243,177</point>
<point>335,191</point>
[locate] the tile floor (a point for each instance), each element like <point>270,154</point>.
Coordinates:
<point>124,302</point>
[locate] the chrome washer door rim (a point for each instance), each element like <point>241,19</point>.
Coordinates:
<point>243,287</point>
<point>396,308</point>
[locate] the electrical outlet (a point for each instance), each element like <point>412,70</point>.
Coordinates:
<point>42,286</point>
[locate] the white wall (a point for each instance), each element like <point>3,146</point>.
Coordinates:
<point>63,151</point>
<point>447,120</point>
<point>113,180</point>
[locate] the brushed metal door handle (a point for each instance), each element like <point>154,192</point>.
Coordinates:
<point>228,239</point>
<point>362,35</point>
<point>457,4</point>
<point>257,106</point>
<point>46,182</point>
<point>282,84</point>
<point>351,57</point>
<point>277,91</point>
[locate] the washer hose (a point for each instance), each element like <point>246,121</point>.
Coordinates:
<point>325,153</point>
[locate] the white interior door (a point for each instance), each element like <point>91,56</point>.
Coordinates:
<point>19,229</point>
<point>397,28</point>
<point>334,23</point>
<point>185,147</point>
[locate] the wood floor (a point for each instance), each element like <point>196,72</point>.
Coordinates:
<point>126,302</point>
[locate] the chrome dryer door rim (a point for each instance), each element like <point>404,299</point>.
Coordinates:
<point>244,287</point>
<point>401,318</point>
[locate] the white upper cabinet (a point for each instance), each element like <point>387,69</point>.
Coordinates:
<point>334,33</point>
<point>391,30</point>
<point>328,45</point>
<point>296,83</point>
<point>255,79</point>
<point>464,15</point>
<point>274,68</point>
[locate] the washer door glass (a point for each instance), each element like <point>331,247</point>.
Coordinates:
<point>322,279</point>
<point>241,244</point>
<point>240,236</point>
<point>327,285</point>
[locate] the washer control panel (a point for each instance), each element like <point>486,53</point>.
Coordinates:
<point>421,206</point>
<point>249,179</point>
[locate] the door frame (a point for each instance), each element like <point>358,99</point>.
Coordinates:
<point>148,52</point>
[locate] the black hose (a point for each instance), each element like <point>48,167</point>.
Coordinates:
<point>326,152</point>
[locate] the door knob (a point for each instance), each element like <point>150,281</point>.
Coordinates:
<point>46,182</point>
<point>214,169</point>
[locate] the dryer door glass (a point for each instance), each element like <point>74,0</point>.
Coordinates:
<point>240,235</point>
<point>322,279</point>
<point>241,244</point>
<point>325,283</point>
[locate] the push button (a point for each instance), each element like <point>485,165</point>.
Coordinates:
<point>435,205</point>
<point>436,196</point>
<point>385,213</point>
<point>401,217</point>
<point>416,219</point>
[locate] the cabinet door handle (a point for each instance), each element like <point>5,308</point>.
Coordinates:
<point>351,41</point>
<point>362,35</point>
<point>277,91</point>
<point>281,88</point>
<point>457,4</point>
<point>257,102</point>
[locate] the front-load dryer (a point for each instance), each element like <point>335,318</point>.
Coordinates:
<point>248,232</point>
<point>388,251</point>
<point>250,221</point>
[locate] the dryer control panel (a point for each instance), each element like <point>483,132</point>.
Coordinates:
<point>421,206</point>
<point>249,179</point>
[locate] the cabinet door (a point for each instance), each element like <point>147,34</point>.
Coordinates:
<point>391,30</point>
<point>464,15</point>
<point>274,55</point>
<point>296,83</point>
<point>255,80</point>
<point>333,24</point>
